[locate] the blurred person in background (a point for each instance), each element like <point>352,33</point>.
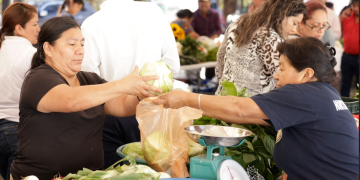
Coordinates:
<point>70,8</point>
<point>19,31</point>
<point>345,12</point>
<point>207,23</point>
<point>248,56</point>
<point>251,8</point>
<point>185,16</point>
<point>330,5</point>
<point>315,23</point>
<point>257,3</point>
<point>350,57</point>
<point>118,37</point>
<point>333,21</point>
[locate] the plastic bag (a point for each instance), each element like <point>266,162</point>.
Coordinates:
<point>163,139</point>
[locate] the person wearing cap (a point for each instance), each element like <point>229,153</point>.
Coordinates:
<point>206,21</point>
<point>350,57</point>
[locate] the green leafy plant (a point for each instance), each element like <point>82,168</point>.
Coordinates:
<point>258,149</point>
<point>191,47</point>
<point>211,56</point>
<point>356,96</point>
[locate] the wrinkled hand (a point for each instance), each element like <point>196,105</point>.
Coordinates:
<point>174,99</point>
<point>136,85</point>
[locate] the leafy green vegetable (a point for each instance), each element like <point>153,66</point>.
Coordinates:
<point>258,149</point>
<point>191,47</point>
<point>157,151</point>
<point>134,150</point>
<point>72,176</point>
<point>84,172</point>
<point>124,172</point>
<point>160,68</point>
<point>228,89</point>
<point>211,56</point>
<point>195,149</point>
<point>356,96</point>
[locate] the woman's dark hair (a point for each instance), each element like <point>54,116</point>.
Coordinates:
<point>310,52</point>
<point>354,1</point>
<point>16,13</point>
<point>185,13</point>
<point>269,15</point>
<point>312,6</point>
<point>51,31</point>
<point>67,2</point>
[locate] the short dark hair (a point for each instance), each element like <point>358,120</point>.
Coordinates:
<point>354,1</point>
<point>185,13</point>
<point>329,4</point>
<point>51,31</point>
<point>310,52</point>
<point>67,2</point>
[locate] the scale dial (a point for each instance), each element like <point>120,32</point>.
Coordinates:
<point>231,170</point>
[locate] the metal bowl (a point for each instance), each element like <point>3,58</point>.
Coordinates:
<point>217,135</point>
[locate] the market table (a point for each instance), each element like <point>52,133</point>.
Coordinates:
<point>199,66</point>
<point>196,67</point>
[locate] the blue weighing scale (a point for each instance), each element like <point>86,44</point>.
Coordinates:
<point>215,166</point>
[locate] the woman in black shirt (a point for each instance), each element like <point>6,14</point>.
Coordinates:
<point>62,109</point>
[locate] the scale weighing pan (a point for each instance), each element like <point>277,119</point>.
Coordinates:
<point>219,166</point>
<point>217,135</point>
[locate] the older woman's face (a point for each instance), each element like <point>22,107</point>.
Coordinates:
<point>68,52</point>
<point>318,22</point>
<point>287,74</point>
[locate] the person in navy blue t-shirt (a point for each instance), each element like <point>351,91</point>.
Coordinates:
<point>317,135</point>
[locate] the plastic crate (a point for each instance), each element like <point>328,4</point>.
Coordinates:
<point>352,104</point>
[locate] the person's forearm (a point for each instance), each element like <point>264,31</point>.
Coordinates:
<point>230,107</point>
<point>237,120</point>
<point>122,106</point>
<point>85,97</point>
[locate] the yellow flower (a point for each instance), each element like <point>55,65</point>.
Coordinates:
<point>178,32</point>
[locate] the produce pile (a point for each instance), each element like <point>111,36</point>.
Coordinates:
<point>258,148</point>
<point>193,51</point>
<point>124,172</point>
<point>135,149</point>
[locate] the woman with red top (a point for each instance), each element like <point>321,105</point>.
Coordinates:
<point>350,58</point>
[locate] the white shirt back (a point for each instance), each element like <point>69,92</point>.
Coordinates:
<point>125,33</point>
<point>334,21</point>
<point>16,54</point>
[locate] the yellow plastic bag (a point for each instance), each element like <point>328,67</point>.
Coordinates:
<point>163,139</point>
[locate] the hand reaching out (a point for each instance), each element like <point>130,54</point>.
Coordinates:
<point>136,85</point>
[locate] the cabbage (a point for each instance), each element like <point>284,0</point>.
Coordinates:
<point>160,68</point>
<point>195,149</point>
<point>134,150</point>
<point>157,151</point>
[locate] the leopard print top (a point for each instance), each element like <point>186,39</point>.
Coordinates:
<point>252,66</point>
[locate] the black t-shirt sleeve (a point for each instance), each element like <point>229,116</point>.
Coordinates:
<point>286,106</point>
<point>39,81</point>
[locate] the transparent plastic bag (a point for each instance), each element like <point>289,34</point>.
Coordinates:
<point>163,139</point>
